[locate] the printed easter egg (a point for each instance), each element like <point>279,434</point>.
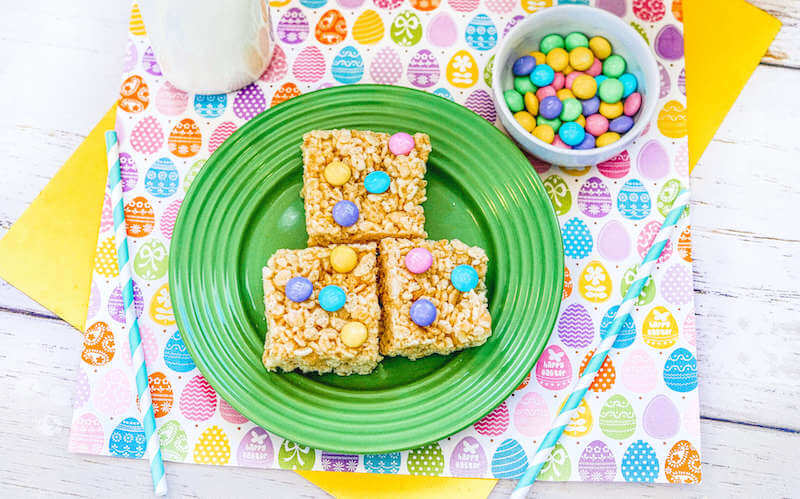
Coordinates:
<point>134,95</point>
<point>650,11</point>
<point>149,62</point>
<point>691,417</point>
<point>462,70</point>
<point>463,5</point>
<point>677,285</point>
<point>151,261</point>
<point>606,376</point>
<point>683,463</point>
<point>531,6</point>
<point>86,435</point>
<point>174,444</point>
<point>663,76</point>
<point>98,344</point>
<point>293,27</point>
<point>652,161</point>
<point>230,414</point>
<point>614,6</point>
<point>648,293</point>
<point>313,4</point>
<point>128,439</point>
<point>168,218</point>
<point>382,463</point>
<point>677,9</point>
<point>425,5</point>
<point>161,307</point>
<point>116,308</point>
<point>277,68</point>
<point>680,371</point>
<point>627,332</point>
<point>681,160</point>
<point>128,172</point>
<point>667,196</point>
<point>500,6</point>
<point>481,34</point>
<point>331,28</point>
<point>219,135</point>
<point>105,258</point>
<point>638,372</point>
<point>427,460</point>
<point>661,419</point>
<point>210,106</point>
<point>386,68</point>
<point>682,81</point>
<point>668,43</point>
<point>249,101</point>
<point>149,345</point>
<point>81,390</point>
<point>368,28</point>
<point>633,200</point>
<point>513,22</point>
<point>284,93</point>
<point>567,284</point>
<point>161,179</point>
<point>660,330</point>
<point>553,370</point>
<point>309,65</point>
<point>558,466</point>
<point>350,4</point>
<point>672,120</point>
<point>161,392</point>
<point>645,240</point>
<point>139,217</point>
<point>689,330</point>
<point>255,449</point>
<point>482,104</point>
<point>581,423</point>
<point>594,199</point>
<point>442,30</point>
<point>487,71</point>
<point>468,459</point>
<point>136,23</point>
<point>616,167</point>
<point>597,463</point>
<point>639,464</point>
<point>559,194</point>
<point>406,29</point>
<point>595,283</point>
<point>575,327</point>
<point>388,4</point>
<point>348,66</point>
<point>198,400</point>
<point>171,101</point>
<point>213,447</point>
<point>509,460</point>
<point>131,56</point>
<point>106,217</point>
<point>176,356</point>
<point>114,394</point>
<point>531,416</point>
<point>147,136</point>
<point>613,241</point>
<point>524,383</point>
<point>423,69</point>
<point>494,423</point>
<point>339,462</point>
<point>193,171</point>
<point>443,92</point>
<point>617,418</point>
<point>640,29</point>
<point>577,239</point>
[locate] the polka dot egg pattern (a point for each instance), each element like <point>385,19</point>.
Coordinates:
<point>213,447</point>
<point>645,240</point>
<point>577,239</point>
<point>386,68</point>
<point>676,285</point>
<point>427,460</point>
<point>147,136</point>
<point>640,463</point>
<point>249,101</point>
<point>105,258</point>
<point>606,376</point>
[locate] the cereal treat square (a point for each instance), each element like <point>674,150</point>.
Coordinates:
<point>322,310</point>
<point>438,283</point>
<point>343,205</point>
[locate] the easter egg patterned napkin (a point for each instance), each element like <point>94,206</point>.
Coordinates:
<point>640,419</point>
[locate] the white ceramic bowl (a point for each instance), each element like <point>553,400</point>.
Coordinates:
<point>591,21</point>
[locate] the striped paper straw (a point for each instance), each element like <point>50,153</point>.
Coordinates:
<point>134,337</point>
<point>570,407</point>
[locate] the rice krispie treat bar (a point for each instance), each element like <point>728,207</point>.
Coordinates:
<point>322,310</point>
<point>434,297</point>
<point>344,203</point>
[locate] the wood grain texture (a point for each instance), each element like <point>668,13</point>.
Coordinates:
<point>785,50</point>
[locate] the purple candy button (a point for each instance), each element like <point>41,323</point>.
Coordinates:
<point>345,213</point>
<point>621,124</point>
<point>401,144</point>
<point>523,66</point>
<point>587,143</point>
<point>423,312</point>
<point>298,289</point>
<point>550,107</point>
<point>590,106</point>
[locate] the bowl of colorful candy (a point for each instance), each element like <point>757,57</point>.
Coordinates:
<point>574,85</point>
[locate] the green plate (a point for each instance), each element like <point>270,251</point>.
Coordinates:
<point>245,204</point>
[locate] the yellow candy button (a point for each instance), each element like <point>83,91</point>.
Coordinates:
<point>540,57</point>
<point>581,58</point>
<point>581,121</point>
<point>353,334</point>
<point>600,47</point>
<point>343,259</point>
<point>606,138</point>
<point>337,173</point>
<point>525,119</point>
<point>584,87</point>
<point>565,94</point>
<point>567,70</point>
<point>544,133</point>
<point>611,111</point>
<point>557,59</point>
<point>532,103</point>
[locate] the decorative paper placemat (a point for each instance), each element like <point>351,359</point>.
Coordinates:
<point>639,423</point>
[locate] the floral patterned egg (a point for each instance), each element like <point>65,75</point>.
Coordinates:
<point>663,76</point>
<point>331,28</point>
<point>174,444</point>
<point>468,459</point>
<point>131,56</point>
<point>616,167</point>
<point>640,463</point>
<point>386,68</point>
<point>689,331</point>
<point>382,463</point>
<point>672,120</point>
<point>442,30</point>
<point>425,5</point>
<point>558,466</point>
<point>350,4</point>
<point>309,65</point>
<point>660,330</point>
<point>284,93</point>
<point>116,308</point>
<point>575,327</point>
<point>597,463</point>
<point>219,135</point>
<point>368,28</point>
<point>642,32</point>
<point>667,196</point>
<point>646,238</point>
<point>161,307</point>
<point>339,462</point>
<point>669,43</point>
<point>249,101</point>
<point>500,6</point>
<point>128,439</point>
<point>176,356</point>
<point>638,372</point>
<point>171,101</point>
<point>676,285</point>
<point>482,104</point>
<point>114,395</point>
<point>577,239</point>
<point>531,6</point>
<point>105,258</point>
<point>509,460</point>
<point>134,95</point>
<point>531,416</point>
<point>650,11</point>
<point>82,390</point>
<point>553,370</point>
<point>86,435</point>
<point>255,450</point>
<point>633,201</point>
<point>194,170</point>
<point>293,27</point>
<point>567,284</point>
<point>661,419</point>
<point>128,171</point>
<point>151,261</point>
<point>348,66</point>
<point>683,463</point>
<point>595,283</point>
<point>627,332</point>
<point>463,5</point>
<point>198,400</point>
<point>680,371</point>
<point>487,71</point>
<point>617,418</point>
<point>606,376</point>
<point>210,106</point>
<point>423,69</point>
<point>230,414</point>
<point>616,7</point>
<point>277,68</point>
<point>648,293</point>
<point>388,4</point>
<point>150,63</point>
<point>594,199</point>
<point>213,447</point>
<point>427,460</point>
<point>161,392</point>
<point>161,179</point>
<point>98,344</point>
<point>147,136</point>
<point>406,29</point>
<point>443,92</point>
<point>494,423</point>
<point>613,241</point>
<point>481,33</point>
<point>462,70</point>
<point>559,194</point>
<point>167,223</point>
<point>653,161</point>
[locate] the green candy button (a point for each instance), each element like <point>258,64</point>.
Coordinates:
<point>611,90</point>
<point>550,42</point>
<point>514,100</point>
<point>523,85</point>
<point>555,123</point>
<point>570,110</point>
<point>614,66</point>
<point>576,39</point>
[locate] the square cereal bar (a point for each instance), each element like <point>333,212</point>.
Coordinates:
<point>306,337</point>
<point>462,319</point>
<point>395,213</point>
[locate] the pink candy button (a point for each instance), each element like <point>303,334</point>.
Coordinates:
<point>558,81</point>
<point>560,143</point>
<point>571,78</point>
<point>596,68</point>
<point>401,144</point>
<point>545,92</point>
<point>418,260</point>
<point>632,104</point>
<point>597,124</point>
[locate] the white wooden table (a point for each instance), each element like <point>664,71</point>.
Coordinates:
<point>60,63</point>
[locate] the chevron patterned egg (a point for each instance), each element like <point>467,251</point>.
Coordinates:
<point>105,258</point>
<point>331,28</point>
<point>174,444</point>
<point>114,395</point>
<point>606,376</point>
<point>368,28</point>
<point>594,199</point>
<point>230,414</point>
<point>664,80</point>
<point>309,65</point>
<point>500,6</point>
<point>255,450</point>
<point>660,330</point>
<point>648,293</point>
<point>481,34</point>
<point>128,171</point>
<point>198,400</point>
<point>553,370</point>
<point>425,5</point>
<point>387,4</point>
<point>494,423</point>
<point>161,307</point>
<point>293,27</point>
<point>161,179</point>
<point>313,4</point>
<point>386,68</point>
<point>161,392</point>
<point>131,56</point>
<point>627,333</point>
<point>559,194</point>
<point>689,331</point>
<point>617,418</point>
<point>249,101</point>
<point>558,466</point>
<point>683,463</point>
<point>669,43</point>
<point>442,30</point>
<point>171,101</point>
<point>219,135</point>
<point>423,69</point>
<point>382,463</point>
<point>98,344</point>
<point>577,239</point>
<point>661,419</point>
<point>348,66</point>
<point>151,261</point>
<point>650,11</point>
<point>116,308</point>
<point>213,447</point>
<point>176,356</point>
<point>594,283</point>
<point>638,372</point>
<point>597,463</point>
<point>150,63</point>
<point>468,459</point>
<point>406,29</point>
<point>616,167</point>
<point>277,68</point>
<point>633,200</point>
<point>81,390</point>
<point>339,462</point>
<point>463,5</point>
<point>210,106</point>
<point>443,92</point>
<point>134,95</point>
<point>676,285</point>
<point>147,136</point>
<point>613,241</point>
<point>672,120</point>
<point>482,104</point>
<point>86,435</point>
<point>427,460</point>
<point>167,223</point>
<point>680,371</point>
<point>487,71</point>
<point>149,345</point>
<point>509,460</point>
<point>653,161</point>
<point>575,327</point>
<point>128,439</point>
<point>646,238</point>
<point>667,196</point>
<point>640,463</point>
<point>462,70</point>
<point>531,415</point>
<point>284,93</point>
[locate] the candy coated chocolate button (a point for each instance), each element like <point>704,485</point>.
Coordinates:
<point>575,39</point>
<point>513,100</point>
<point>588,142</point>
<point>337,173</point>
<point>550,107</point>
<point>632,104</point>
<point>418,260</point>
<point>523,85</point>
<point>590,106</point>
<point>525,119</point>
<point>423,312</point>
<point>614,66</point>
<point>555,123</point>
<point>332,298</point>
<point>401,144</point>
<point>464,278</point>
<point>542,75</point>
<point>524,65</point>
<point>544,133</point>
<point>570,111</point>
<point>629,84</point>
<point>377,182</point>
<point>551,42</point>
<point>343,259</point>
<point>571,134</point>
<point>621,124</point>
<point>298,289</point>
<point>531,103</point>
<point>600,47</point>
<point>353,334</point>
<point>610,90</point>
<point>345,213</point>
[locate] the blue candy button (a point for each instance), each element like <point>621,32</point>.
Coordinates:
<point>542,75</point>
<point>332,298</point>
<point>464,278</point>
<point>377,182</point>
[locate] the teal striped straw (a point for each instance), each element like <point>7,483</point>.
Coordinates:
<point>134,336</point>
<point>570,407</point>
